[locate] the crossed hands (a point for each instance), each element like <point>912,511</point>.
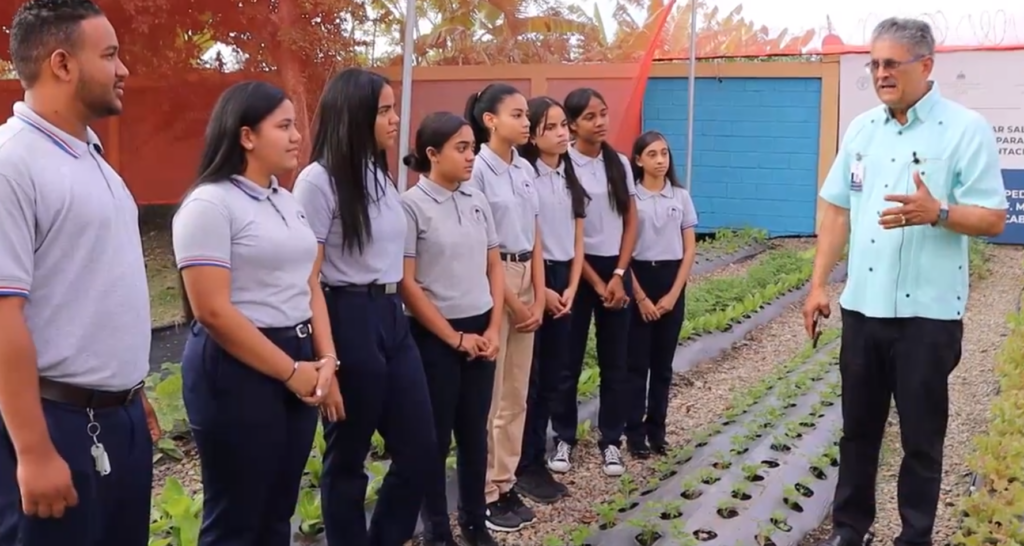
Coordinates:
<point>314,384</point>
<point>484,347</point>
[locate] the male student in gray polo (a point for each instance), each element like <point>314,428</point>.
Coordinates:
<point>75,453</point>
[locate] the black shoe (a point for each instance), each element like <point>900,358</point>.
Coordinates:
<point>537,484</point>
<point>502,517</point>
<point>837,539</point>
<point>477,535</point>
<point>519,508</point>
<point>638,450</point>
<point>659,447</point>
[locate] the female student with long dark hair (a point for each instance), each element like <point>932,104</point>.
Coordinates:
<point>609,235</point>
<point>666,246</point>
<point>563,204</point>
<point>453,288</point>
<point>497,115</point>
<point>260,355</point>
<point>356,214</point>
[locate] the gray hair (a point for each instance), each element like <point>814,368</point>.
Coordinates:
<point>914,33</point>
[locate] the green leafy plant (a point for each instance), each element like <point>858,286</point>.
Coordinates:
<point>176,516</point>
<point>648,527</point>
<point>707,476</point>
<point>690,488</point>
<point>607,514</point>
<point>779,520</point>
<point>727,509</point>
<point>311,522</point>
<point>791,497</point>
<point>552,539</point>
<point>578,535</point>
<point>671,510</point>
<point>739,491</point>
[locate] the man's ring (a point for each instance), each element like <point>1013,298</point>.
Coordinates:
<point>903,220</point>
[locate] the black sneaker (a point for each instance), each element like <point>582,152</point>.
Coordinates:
<point>477,535</point>
<point>638,450</point>
<point>537,484</point>
<point>519,508</point>
<point>659,447</point>
<point>502,517</point>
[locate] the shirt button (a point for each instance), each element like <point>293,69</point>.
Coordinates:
<point>871,269</point>
<point>958,298</point>
<point>872,241</point>
<point>908,295</point>
<point>899,132</point>
<point>894,160</point>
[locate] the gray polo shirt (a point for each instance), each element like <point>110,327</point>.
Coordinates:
<point>262,236</point>
<point>381,259</point>
<point>449,234</point>
<point>557,221</point>
<point>602,229</point>
<point>70,243</point>
<point>512,197</point>
<point>661,218</point>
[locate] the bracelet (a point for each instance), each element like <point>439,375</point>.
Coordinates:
<point>461,336</point>
<point>641,300</point>
<point>295,368</point>
<point>337,363</point>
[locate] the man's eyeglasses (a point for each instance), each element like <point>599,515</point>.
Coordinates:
<point>889,65</point>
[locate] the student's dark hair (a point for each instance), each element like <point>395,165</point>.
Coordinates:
<point>245,104</point>
<point>576,102</point>
<point>537,112</point>
<point>41,27</point>
<point>640,144</point>
<point>345,143</point>
<point>486,101</point>
<point>434,132</point>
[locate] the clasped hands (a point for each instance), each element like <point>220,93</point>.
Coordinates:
<point>917,209</point>
<point>475,345</point>
<point>314,384</point>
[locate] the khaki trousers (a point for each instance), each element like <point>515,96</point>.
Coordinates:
<point>511,383</point>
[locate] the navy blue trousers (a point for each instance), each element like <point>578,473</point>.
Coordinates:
<point>460,393</point>
<point>550,359</point>
<point>652,347</point>
<point>612,332</point>
<point>384,388</point>
<point>253,436</point>
<point>112,509</point>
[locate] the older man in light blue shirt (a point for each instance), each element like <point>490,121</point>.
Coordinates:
<point>913,180</point>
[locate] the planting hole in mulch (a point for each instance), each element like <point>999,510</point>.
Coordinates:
<point>705,535</point>
<point>740,451</point>
<point>721,465</point>
<point>834,462</point>
<point>754,478</point>
<point>781,525</point>
<point>764,541</point>
<point>827,403</point>
<point>818,473</point>
<point>770,463</point>
<point>808,424</point>
<point>727,513</point>
<point>648,491</point>
<point>794,435</point>
<point>709,480</point>
<point>701,443</point>
<point>790,405</point>
<point>628,507</point>
<point>794,506</point>
<point>727,422</point>
<point>781,448</point>
<point>741,495</point>
<point>668,475</point>
<point>691,494</point>
<point>675,514</point>
<point>644,539</point>
<point>804,490</point>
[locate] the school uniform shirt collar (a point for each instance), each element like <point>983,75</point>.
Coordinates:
<point>920,111</point>
<point>254,190</point>
<point>436,191</point>
<point>68,144</point>
<point>495,163</point>
<point>643,193</point>
<point>580,159</point>
<point>543,169</point>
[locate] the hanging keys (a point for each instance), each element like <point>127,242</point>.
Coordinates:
<point>99,454</point>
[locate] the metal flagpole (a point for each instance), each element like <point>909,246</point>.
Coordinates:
<point>691,84</point>
<point>405,124</point>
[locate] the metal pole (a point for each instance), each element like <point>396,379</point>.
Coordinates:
<point>405,124</point>
<point>691,84</point>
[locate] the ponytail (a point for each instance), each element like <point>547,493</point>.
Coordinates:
<point>486,101</point>
<point>615,172</point>
<point>578,195</point>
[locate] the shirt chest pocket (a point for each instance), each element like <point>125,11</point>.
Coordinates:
<point>938,173</point>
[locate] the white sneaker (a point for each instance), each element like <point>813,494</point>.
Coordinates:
<point>561,461</point>
<point>613,466</point>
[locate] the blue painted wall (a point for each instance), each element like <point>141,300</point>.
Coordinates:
<point>755,150</point>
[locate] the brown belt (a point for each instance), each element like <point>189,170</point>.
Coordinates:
<point>86,398</point>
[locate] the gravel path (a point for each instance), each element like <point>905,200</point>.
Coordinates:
<point>698,398</point>
<point>971,389</point>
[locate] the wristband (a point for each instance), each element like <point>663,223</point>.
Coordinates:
<point>461,336</point>
<point>332,356</point>
<point>295,368</point>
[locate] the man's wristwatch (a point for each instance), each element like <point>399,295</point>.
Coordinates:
<point>943,215</point>
<point>619,272</point>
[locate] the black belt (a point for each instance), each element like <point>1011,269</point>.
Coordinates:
<point>656,263</point>
<point>521,257</point>
<point>375,289</point>
<point>563,263</point>
<point>301,330</point>
<point>86,398</point>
